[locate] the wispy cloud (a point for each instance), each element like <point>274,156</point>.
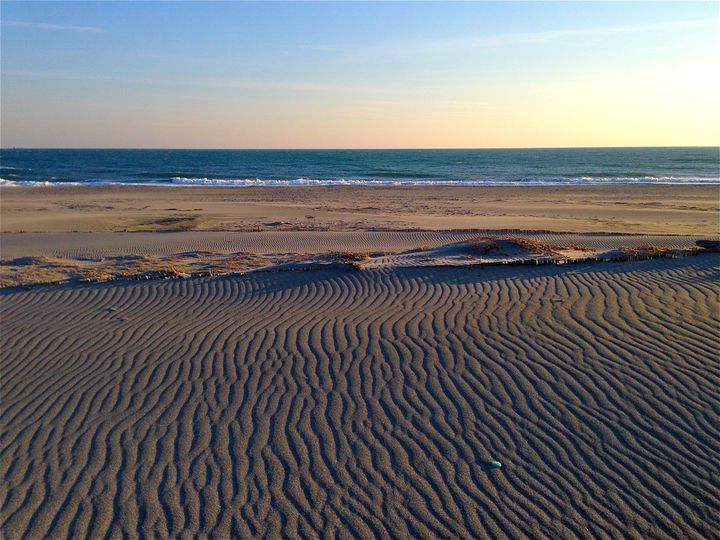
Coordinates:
<point>466,105</point>
<point>508,39</point>
<point>51,26</point>
<point>291,86</point>
<point>219,84</point>
<point>550,35</point>
<point>243,84</point>
<point>58,76</point>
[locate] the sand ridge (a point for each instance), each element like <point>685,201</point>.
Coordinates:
<point>86,257</point>
<point>366,404</point>
<point>98,245</point>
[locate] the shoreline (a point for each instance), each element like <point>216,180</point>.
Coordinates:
<point>344,183</point>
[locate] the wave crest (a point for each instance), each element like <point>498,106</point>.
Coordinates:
<point>266,182</point>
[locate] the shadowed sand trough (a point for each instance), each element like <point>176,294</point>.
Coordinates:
<point>366,404</point>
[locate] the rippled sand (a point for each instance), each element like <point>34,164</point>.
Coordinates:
<point>366,404</point>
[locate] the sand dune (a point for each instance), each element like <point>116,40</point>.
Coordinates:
<point>52,258</point>
<point>366,404</point>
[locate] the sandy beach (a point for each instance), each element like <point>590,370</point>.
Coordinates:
<point>366,398</point>
<point>342,270</point>
<point>665,209</point>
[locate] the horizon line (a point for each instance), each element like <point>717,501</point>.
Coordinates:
<point>284,149</point>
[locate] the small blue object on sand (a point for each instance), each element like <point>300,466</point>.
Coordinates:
<point>495,464</point>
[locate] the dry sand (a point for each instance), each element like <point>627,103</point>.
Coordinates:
<point>625,209</point>
<point>346,403</point>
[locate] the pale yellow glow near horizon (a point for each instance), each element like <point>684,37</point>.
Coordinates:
<point>663,105</point>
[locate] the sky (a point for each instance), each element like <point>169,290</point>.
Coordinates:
<point>359,75</point>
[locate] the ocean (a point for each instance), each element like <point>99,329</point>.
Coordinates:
<point>31,167</point>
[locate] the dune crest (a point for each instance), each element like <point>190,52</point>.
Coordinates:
<point>75,259</point>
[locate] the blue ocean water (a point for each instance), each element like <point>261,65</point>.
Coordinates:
<point>697,165</point>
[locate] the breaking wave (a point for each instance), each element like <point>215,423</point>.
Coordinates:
<point>265,182</point>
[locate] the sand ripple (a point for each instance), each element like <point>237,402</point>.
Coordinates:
<point>366,404</point>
